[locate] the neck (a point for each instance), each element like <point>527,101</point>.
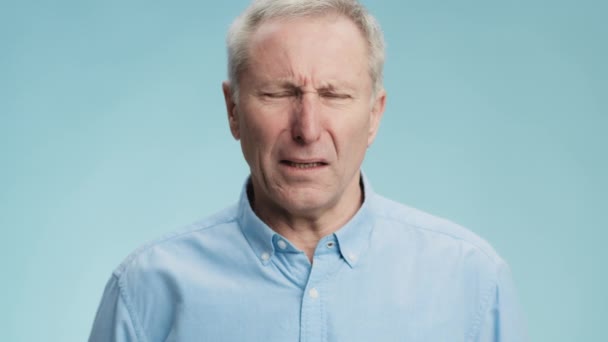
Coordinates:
<point>305,230</point>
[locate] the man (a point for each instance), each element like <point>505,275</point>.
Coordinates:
<point>310,252</point>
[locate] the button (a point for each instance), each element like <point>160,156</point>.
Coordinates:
<point>265,256</point>
<point>330,244</point>
<point>313,293</point>
<point>282,244</point>
<point>352,256</point>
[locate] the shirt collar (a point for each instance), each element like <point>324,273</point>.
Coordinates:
<point>257,233</point>
<point>353,238</point>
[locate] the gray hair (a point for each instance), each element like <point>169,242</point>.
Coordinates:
<point>261,11</point>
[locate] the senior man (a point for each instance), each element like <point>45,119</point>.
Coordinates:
<point>310,252</point>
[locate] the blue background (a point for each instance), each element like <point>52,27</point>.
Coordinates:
<point>113,132</point>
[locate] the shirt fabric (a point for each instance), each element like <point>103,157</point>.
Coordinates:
<point>392,273</point>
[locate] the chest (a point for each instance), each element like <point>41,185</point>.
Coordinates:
<point>346,304</point>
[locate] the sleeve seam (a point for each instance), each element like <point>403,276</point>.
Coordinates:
<point>130,310</point>
<point>483,308</point>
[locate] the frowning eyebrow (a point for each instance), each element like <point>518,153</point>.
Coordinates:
<point>326,87</point>
<point>329,88</point>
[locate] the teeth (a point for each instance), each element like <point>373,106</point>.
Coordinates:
<point>304,165</point>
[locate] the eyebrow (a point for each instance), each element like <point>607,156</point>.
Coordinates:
<point>289,84</point>
<point>328,87</point>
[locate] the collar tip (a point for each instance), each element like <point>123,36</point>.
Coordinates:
<point>350,263</point>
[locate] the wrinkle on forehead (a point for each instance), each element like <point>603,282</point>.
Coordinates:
<point>305,84</point>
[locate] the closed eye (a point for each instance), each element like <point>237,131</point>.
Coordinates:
<point>278,95</point>
<point>334,95</point>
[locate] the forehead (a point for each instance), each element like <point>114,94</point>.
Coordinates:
<point>316,47</point>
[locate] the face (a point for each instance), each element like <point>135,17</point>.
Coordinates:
<point>305,114</point>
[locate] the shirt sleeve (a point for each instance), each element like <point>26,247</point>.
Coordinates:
<point>113,322</point>
<point>503,320</point>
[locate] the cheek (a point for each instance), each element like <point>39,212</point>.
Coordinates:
<point>259,135</point>
<point>352,134</point>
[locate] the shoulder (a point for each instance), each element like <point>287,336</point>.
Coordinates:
<point>194,238</point>
<point>438,230</point>
<point>157,275</point>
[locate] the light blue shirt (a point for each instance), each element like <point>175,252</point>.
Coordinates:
<point>392,273</point>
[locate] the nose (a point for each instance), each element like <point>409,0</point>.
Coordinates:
<point>306,125</point>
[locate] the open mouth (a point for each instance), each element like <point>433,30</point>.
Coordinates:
<point>300,165</point>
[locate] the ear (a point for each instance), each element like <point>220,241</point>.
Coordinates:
<point>375,115</point>
<point>231,109</point>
